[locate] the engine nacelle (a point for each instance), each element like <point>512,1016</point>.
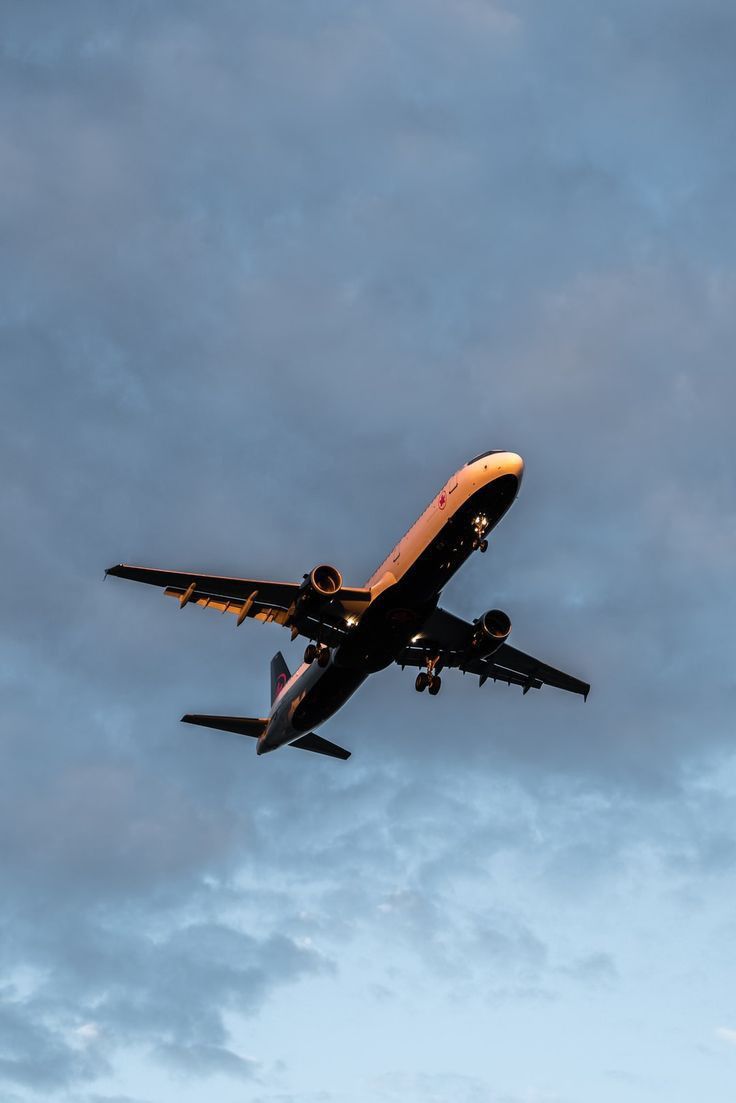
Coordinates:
<point>489,632</point>
<point>323,583</point>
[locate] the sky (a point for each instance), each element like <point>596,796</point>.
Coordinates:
<point>269,272</point>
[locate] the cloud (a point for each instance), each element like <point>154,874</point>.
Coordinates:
<point>439,1087</point>
<point>88,1032</point>
<point>268,276</point>
<point>205,1060</point>
<point>594,968</point>
<point>34,1054</point>
<point>726,1034</point>
<point>112,1099</point>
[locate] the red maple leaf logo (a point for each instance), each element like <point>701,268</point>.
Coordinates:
<point>442,500</point>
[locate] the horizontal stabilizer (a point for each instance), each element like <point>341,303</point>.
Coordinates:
<point>316,743</point>
<point>241,725</point>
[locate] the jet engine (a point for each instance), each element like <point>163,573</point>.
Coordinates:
<point>489,632</point>
<point>315,595</point>
<point>324,581</point>
<point>319,587</point>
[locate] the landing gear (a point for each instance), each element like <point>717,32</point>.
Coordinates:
<point>432,682</point>
<point>428,679</point>
<point>480,528</point>
<point>320,652</point>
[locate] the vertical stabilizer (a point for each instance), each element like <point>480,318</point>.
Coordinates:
<point>279,675</point>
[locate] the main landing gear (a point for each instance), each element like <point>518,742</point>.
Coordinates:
<point>432,682</point>
<point>429,678</point>
<point>318,651</point>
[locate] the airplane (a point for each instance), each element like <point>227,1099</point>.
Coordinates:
<point>354,631</point>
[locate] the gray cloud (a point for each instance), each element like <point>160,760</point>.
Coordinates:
<point>440,1088</point>
<point>112,1099</point>
<point>35,1055</point>
<point>138,988</point>
<point>267,277</point>
<point>205,1060</point>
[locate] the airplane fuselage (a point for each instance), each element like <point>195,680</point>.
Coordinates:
<point>405,589</point>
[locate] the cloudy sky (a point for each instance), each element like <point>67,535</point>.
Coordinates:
<point>270,271</point>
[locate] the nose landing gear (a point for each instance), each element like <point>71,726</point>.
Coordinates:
<point>480,528</point>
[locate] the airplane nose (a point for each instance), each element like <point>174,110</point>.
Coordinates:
<point>514,465</point>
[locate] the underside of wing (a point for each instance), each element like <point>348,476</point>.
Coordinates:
<point>510,658</point>
<point>450,640</point>
<point>259,599</point>
<point>315,743</point>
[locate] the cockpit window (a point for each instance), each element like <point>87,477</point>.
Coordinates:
<point>492,452</point>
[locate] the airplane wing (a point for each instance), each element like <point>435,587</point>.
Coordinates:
<point>510,658</point>
<point>449,636</point>
<point>262,600</point>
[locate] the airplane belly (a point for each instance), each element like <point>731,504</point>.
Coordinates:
<point>398,613</point>
<point>333,688</point>
<point>453,544</point>
<point>384,631</point>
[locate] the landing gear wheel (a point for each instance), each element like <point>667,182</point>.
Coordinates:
<point>422,682</point>
<point>435,685</point>
<point>323,656</point>
<point>310,653</point>
<point>483,545</point>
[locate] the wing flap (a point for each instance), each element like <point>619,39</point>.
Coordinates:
<point>513,659</point>
<point>256,609</point>
<point>489,671</point>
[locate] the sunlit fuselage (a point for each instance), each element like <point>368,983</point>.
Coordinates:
<point>405,590</point>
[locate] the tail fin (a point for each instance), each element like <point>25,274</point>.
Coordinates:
<point>279,675</point>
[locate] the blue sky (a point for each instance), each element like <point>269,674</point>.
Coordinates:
<point>269,273</point>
